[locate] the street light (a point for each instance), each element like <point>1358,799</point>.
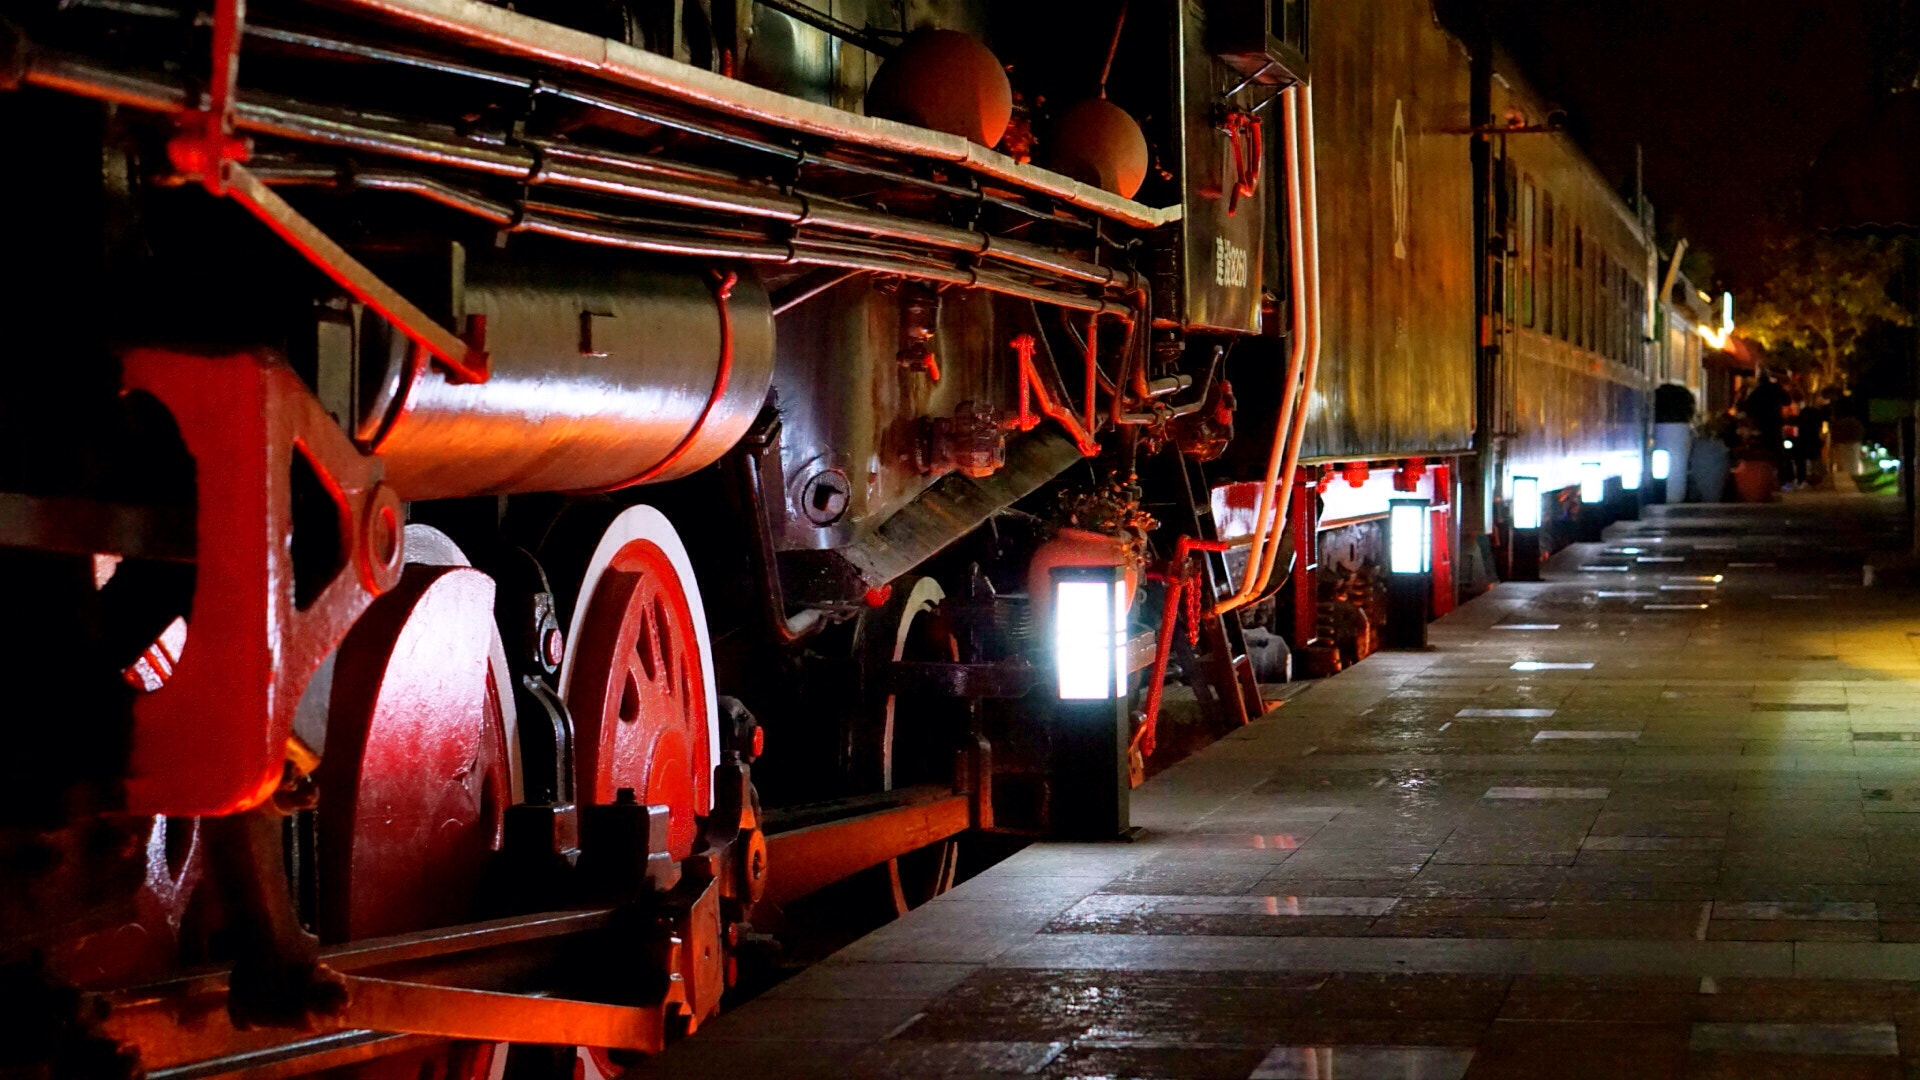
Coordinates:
<point>1662,464</point>
<point>1593,482</point>
<point>1526,502</point>
<point>1409,537</point>
<point>1630,470</point>
<point>1524,558</point>
<point>1409,572</point>
<point>1089,632</point>
<point>1090,777</point>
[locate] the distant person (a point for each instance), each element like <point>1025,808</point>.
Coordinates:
<point>1810,446</point>
<point>1765,407</point>
<point>1790,459</point>
<point>1848,434</point>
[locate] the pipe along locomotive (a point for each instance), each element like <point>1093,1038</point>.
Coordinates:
<point>450,443</point>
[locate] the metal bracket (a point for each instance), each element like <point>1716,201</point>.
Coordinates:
<point>208,150</point>
<point>213,740</point>
<point>464,361</point>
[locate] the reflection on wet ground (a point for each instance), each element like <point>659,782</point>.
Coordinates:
<point>1658,816</point>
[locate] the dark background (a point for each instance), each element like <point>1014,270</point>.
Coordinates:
<point>1730,100</point>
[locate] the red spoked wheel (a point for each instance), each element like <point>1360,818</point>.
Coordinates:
<point>417,773</point>
<point>638,676</point>
<point>638,681</point>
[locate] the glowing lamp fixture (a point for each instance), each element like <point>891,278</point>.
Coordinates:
<point>1409,536</point>
<point>1090,632</point>
<point>1526,502</point>
<point>1718,336</point>
<point>1593,482</point>
<point>1630,471</point>
<point>1662,464</point>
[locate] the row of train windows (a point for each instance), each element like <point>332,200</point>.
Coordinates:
<point>1564,283</point>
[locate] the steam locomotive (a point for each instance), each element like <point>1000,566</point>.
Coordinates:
<point>501,500</point>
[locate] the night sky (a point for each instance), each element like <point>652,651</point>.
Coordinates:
<point>1731,100</point>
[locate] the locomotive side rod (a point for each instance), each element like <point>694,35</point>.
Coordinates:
<point>400,987</point>
<point>182,1024</point>
<point>193,1036</point>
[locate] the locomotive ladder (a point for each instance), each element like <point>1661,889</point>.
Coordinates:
<point>1222,675</point>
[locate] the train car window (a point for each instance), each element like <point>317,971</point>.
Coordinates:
<point>1549,265</point>
<point>1620,300</point>
<point>1579,287</point>
<point>1625,315</point>
<point>1638,322</point>
<point>1602,302</point>
<point>1510,227</point>
<point>1610,311</point>
<point>1593,304</point>
<point>1562,274</point>
<point>1526,253</point>
<point>1562,279</point>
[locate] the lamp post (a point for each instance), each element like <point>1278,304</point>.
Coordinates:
<point>1091,786</point>
<point>1632,468</point>
<point>1590,522</point>
<point>1409,572</point>
<point>1593,482</point>
<point>1525,559</point>
<point>1659,468</point>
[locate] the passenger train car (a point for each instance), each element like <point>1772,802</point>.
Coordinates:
<point>504,500</point>
<point>1569,304</point>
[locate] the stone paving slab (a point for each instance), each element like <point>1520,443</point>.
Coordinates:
<point>1576,837</point>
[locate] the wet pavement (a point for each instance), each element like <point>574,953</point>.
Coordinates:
<point>1658,816</point>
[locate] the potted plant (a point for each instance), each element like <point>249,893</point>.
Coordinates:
<point>1756,469</point>
<point>1673,411</point>
<point>1708,460</point>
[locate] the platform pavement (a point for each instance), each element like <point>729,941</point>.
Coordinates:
<point>1697,857</point>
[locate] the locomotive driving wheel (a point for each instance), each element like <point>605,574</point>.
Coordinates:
<point>896,738</point>
<point>637,678</point>
<point>417,773</point>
